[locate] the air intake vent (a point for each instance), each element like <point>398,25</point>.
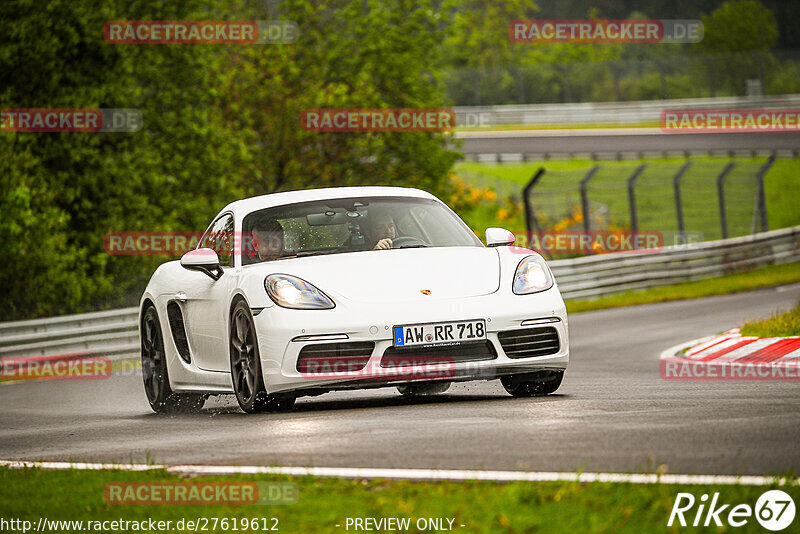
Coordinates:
<point>529,342</point>
<point>326,358</point>
<point>178,330</point>
<point>468,352</point>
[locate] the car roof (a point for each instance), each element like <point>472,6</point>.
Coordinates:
<point>241,208</point>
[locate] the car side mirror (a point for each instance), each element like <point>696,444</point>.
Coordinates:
<point>499,237</point>
<point>204,260</point>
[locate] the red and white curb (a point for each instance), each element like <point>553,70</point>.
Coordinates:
<point>415,474</point>
<point>732,356</point>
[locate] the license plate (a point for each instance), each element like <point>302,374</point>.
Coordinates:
<point>439,333</point>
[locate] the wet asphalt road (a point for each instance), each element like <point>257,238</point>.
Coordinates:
<point>612,413</point>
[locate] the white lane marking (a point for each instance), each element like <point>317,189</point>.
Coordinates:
<point>792,355</point>
<point>789,287</point>
<point>715,348</point>
<point>746,350</point>
<point>567,132</point>
<point>703,346</point>
<point>707,342</point>
<point>416,474</point>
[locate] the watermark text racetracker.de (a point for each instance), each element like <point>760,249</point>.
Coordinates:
<point>43,120</point>
<point>378,120</point>
<point>152,243</point>
<point>400,367</point>
<point>694,370</point>
<point>200,493</point>
<point>550,241</point>
<point>730,120</point>
<point>589,242</point>
<point>605,31</point>
<point>200,32</point>
<point>59,367</point>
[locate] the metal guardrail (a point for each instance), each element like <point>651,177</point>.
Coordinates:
<point>609,113</point>
<point>109,333</point>
<point>607,274</point>
<point>114,333</point>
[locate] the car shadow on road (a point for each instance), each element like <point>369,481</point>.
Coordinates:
<point>226,404</point>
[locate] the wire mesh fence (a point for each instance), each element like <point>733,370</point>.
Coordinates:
<point>683,200</point>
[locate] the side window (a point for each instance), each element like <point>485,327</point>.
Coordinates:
<point>219,237</point>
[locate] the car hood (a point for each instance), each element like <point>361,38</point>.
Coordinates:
<point>400,275</point>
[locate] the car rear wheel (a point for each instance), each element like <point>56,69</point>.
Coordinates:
<point>248,382</point>
<point>532,384</point>
<point>419,390</point>
<point>154,370</point>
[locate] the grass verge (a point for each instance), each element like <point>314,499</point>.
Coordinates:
<point>770,276</point>
<point>779,325</point>
<point>31,494</point>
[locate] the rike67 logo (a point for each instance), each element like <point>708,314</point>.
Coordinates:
<point>774,510</point>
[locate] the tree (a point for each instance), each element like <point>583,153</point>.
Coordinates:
<point>220,122</point>
<point>737,38</point>
<point>478,51</point>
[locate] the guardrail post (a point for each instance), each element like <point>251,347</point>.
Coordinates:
<point>585,196</point>
<point>632,196</point>
<point>530,216</point>
<point>723,218</point>
<point>676,184</point>
<point>760,212</point>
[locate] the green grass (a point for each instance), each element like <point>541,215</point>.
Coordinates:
<point>779,325</point>
<point>769,276</point>
<point>558,191</point>
<point>323,503</point>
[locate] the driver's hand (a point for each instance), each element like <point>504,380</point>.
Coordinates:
<point>383,244</point>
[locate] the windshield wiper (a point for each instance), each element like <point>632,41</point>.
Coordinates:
<point>414,246</point>
<point>299,254</point>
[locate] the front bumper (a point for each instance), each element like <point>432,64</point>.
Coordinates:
<point>277,328</point>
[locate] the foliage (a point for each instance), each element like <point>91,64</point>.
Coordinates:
<point>220,122</point>
<point>484,68</point>
<point>739,34</point>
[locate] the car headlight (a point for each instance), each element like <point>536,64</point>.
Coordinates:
<point>532,276</point>
<point>291,292</point>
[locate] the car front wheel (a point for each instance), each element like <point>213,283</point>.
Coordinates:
<point>532,384</point>
<point>248,382</point>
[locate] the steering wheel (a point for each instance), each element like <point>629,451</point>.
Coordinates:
<point>407,240</point>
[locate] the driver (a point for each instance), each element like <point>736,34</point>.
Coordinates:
<point>268,240</point>
<point>380,230</point>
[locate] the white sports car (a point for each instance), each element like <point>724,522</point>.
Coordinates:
<point>305,292</point>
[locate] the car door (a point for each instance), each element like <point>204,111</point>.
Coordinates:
<point>205,300</point>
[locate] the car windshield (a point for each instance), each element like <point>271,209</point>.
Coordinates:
<point>346,225</point>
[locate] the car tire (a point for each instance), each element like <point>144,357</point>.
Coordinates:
<point>532,384</point>
<point>423,389</point>
<point>155,374</point>
<point>248,381</point>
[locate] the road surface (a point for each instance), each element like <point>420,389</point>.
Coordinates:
<point>612,413</point>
